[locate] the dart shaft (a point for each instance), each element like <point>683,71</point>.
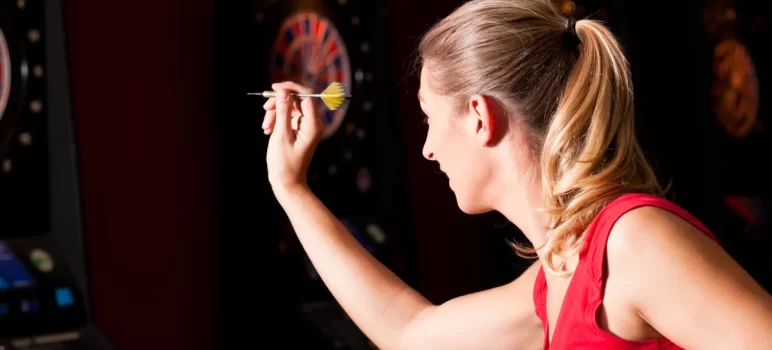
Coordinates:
<point>273,94</point>
<point>269,94</point>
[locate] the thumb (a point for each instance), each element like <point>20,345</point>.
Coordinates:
<point>283,112</point>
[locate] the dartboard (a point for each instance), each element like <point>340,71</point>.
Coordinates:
<point>309,50</point>
<point>735,89</point>
<point>5,73</point>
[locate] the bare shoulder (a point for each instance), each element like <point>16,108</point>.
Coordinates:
<point>651,241</point>
<point>651,232</point>
<point>671,270</point>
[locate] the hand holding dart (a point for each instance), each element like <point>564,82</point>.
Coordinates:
<point>333,96</point>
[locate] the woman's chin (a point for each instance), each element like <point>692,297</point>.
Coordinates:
<point>471,207</point>
<point>473,210</point>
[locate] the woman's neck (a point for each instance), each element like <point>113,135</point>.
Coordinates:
<point>522,205</point>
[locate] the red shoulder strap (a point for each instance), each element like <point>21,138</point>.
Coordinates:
<point>594,248</point>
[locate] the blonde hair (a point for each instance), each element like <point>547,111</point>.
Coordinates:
<point>568,84</point>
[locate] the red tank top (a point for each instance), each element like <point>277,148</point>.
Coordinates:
<point>577,327</point>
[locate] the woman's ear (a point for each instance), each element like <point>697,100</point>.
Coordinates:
<point>485,119</point>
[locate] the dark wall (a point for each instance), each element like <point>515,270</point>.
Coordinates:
<point>142,77</point>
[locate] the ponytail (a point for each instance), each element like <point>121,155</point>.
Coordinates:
<point>589,153</point>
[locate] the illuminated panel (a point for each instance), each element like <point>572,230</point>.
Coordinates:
<point>12,272</point>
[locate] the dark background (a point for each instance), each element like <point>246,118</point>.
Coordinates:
<point>142,77</point>
<point>169,148</point>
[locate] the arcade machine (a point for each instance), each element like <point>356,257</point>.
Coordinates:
<point>357,170</point>
<point>43,283</point>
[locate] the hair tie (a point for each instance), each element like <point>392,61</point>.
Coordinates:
<point>571,26</point>
<point>571,40</point>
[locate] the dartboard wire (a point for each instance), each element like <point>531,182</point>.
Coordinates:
<point>312,58</point>
<point>327,51</point>
<point>300,24</point>
<point>325,69</point>
<point>296,61</point>
<point>314,69</point>
<point>308,51</point>
<point>302,54</point>
<point>305,61</point>
<point>308,54</point>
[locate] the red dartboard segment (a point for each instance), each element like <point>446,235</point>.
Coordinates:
<point>308,49</point>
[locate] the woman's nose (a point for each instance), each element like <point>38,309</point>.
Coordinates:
<point>429,155</point>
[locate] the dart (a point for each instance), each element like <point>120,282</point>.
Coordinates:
<point>333,96</point>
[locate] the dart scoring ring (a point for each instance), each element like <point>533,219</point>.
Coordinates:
<point>309,50</point>
<point>5,74</point>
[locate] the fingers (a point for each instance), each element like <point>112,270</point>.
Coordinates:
<point>270,114</point>
<point>289,85</point>
<point>287,112</point>
<point>296,115</point>
<point>268,121</point>
<point>283,112</point>
<point>270,104</point>
<point>313,123</point>
<point>306,105</point>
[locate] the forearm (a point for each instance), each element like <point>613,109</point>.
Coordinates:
<point>374,297</point>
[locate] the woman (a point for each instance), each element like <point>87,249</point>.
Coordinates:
<point>542,107</point>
